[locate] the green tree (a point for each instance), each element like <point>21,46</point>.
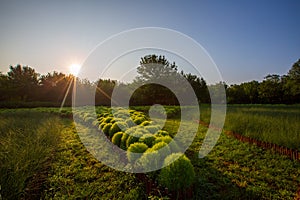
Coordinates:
<point>153,70</point>
<point>199,86</point>
<point>271,90</point>
<point>3,87</point>
<point>104,91</point>
<point>54,86</point>
<point>23,81</point>
<point>292,84</point>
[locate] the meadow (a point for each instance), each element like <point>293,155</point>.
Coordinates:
<point>42,156</point>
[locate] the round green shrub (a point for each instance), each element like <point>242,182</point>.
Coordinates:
<point>148,139</point>
<point>177,175</point>
<point>148,161</point>
<point>116,127</point>
<point>163,133</point>
<point>106,128</point>
<point>116,139</point>
<point>163,153</point>
<point>166,139</point>
<point>152,129</point>
<point>146,123</point>
<point>130,123</point>
<point>135,148</point>
<point>108,119</point>
<point>139,120</point>
<point>133,138</point>
<point>102,125</point>
<point>159,145</point>
<point>123,141</point>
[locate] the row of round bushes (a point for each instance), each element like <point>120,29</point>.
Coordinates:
<point>142,140</point>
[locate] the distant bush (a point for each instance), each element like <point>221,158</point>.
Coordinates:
<point>116,139</point>
<point>136,148</point>
<point>177,175</point>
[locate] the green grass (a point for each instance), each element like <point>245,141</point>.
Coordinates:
<point>278,124</point>
<point>76,174</point>
<point>236,170</point>
<point>232,170</point>
<point>27,141</point>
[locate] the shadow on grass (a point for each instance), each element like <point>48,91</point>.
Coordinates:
<point>212,184</point>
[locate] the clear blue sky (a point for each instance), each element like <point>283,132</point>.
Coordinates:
<point>246,39</point>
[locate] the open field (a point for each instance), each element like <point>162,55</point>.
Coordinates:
<point>39,140</point>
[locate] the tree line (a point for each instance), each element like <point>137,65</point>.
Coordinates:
<point>158,82</point>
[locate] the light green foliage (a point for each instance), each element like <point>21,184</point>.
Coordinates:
<point>177,175</point>
<point>136,148</point>
<point>116,139</point>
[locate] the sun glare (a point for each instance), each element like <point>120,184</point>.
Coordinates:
<point>74,69</point>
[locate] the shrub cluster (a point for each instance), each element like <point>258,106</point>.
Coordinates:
<point>146,145</point>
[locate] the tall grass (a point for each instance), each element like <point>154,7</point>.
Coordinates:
<point>278,124</point>
<point>27,139</point>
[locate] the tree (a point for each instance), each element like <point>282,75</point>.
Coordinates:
<point>23,81</point>
<point>199,86</point>
<point>3,87</point>
<point>54,86</point>
<point>152,71</point>
<point>104,91</point>
<point>271,90</point>
<point>292,84</point>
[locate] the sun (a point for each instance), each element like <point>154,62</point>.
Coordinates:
<point>74,69</point>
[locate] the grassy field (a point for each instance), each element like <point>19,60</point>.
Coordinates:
<point>28,140</point>
<point>42,154</point>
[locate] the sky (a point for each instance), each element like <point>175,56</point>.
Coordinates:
<point>246,39</point>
